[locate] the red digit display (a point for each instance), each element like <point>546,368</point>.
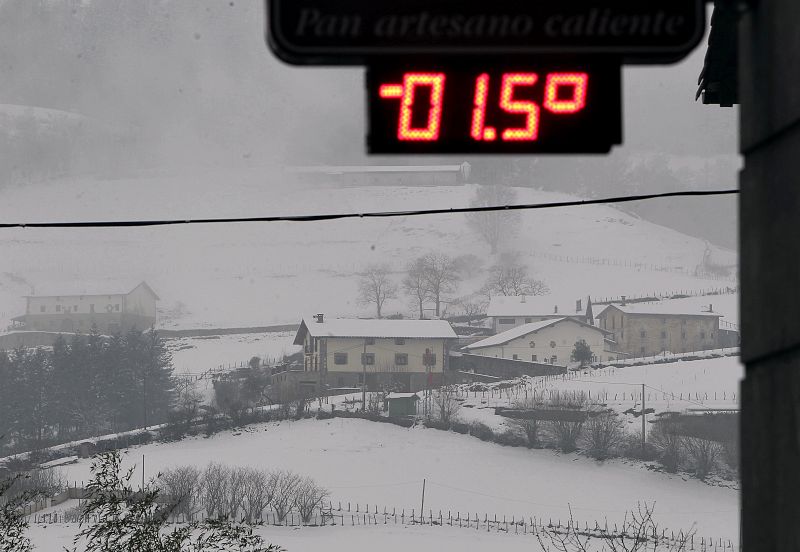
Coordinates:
<point>509,104</point>
<point>578,82</point>
<point>495,110</point>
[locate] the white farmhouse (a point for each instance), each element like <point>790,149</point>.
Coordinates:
<point>547,341</point>
<point>508,311</point>
<point>405,354</point>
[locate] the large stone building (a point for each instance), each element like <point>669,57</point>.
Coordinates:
<point>645,329</point>
<point>547,341</point>
<point>404,354</point>
<point>110,310</point>
<point>507,311</point>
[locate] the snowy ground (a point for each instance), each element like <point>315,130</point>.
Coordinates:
<point>379,464</point>
<point>386,538</point>
<point>259,274</point>
<point>674,387</point>
<point>197,355</point>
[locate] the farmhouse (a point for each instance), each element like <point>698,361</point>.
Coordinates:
<point>403,354</point>
<point>644,329</point>
<point>509,312</point>
<point>547,341</point>
<point>78,310</point>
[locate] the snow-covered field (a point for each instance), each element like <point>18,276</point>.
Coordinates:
<point>379,464</point>
<point>197,355</point>
<point>259,274</point>
<point>386,538</point>
<point>672,387</point>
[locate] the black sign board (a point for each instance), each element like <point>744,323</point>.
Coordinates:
<point>342,32</point>
<point>494,106</point>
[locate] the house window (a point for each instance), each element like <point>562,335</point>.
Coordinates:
<point>75,308</point>
<point>401,359</point>
<point>368,359</point>
<point>399,341</point>
<point>533,344</point>
<point>552,344</point>
<point>702,335</point>
<point>42,309</point>
<point>432,359</point>
<point>642,333</point>
<point>91,308</point>
<point>370,341</point>
<point>116,307</point>
<point>642,351</point>
<point>712,335</point>
<point>58,308</point>
<point>553,359</point>
<point>340,358</point>
<point>533,358</point>
<point>516,357</point>
<point>683,334</point>
<point>663,335</point>
<point>507,321</point>
<point>528,320</point>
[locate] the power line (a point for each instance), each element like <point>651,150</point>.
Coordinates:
<point>369,214</point>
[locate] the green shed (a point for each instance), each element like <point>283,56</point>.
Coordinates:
<point>401,404</point>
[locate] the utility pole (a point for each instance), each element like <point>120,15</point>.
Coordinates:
<point>422,506</point>
<point>644,422</point>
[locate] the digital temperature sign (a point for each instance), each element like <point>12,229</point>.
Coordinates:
<point>490,107</point>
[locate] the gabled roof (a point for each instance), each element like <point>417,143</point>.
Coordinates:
<point>660,308</point>
<point>391,396</point>
<point>526,329</point>
<point>114,287</point>
<point>376,328</point>
<point>535,305</point>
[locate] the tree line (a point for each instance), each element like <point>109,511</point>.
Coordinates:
<point>86,386</point>
<point>431,283</point>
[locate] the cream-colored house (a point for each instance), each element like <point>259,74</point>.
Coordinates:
<point>547,341</point>
<point>403,354</point>
<point>510,311</point>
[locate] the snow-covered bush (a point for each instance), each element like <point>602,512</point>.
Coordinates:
<point>669,445</point>
<point>704,455</point>
<point>602,435</point>
<point>308,497</point>
<point>182,484</point>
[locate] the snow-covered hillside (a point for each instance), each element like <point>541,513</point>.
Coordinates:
<point>381,464</point>
<point>257,274</point>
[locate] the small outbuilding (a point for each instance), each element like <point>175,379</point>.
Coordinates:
<point>401,404</point>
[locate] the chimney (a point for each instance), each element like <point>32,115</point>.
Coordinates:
<point>555,311</point>
<point>320,318</point>
<point>522,299</point>
<point>623,300</point>
<point>710,307</point>
<point>578,306</point>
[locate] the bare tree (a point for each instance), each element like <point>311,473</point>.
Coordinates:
<point>474,307</point>
<point>446,404</point>
<point>375,287</point>
<point>494,226</point>
<point>603,434</point>
<point>308,497</point>
<point>414,285</point>
<point>216,478</point>
<point>530,426</point>
<point>237,483</point>
<point>182,483</point>
<point>512,278</point>
<point>704,455</point>
<point>440,278</point>
<point>286,484</point>
<point>669,444</point>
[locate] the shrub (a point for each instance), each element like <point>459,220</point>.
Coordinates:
<point>704,455</point>
<point>446,404</point>
<point>308,497</point>
<point>668,444</point>
<point>436,424</point>
<point>510,438</point>
<point>182,484</point>
<point>481,431</point>
<point>730,454</point>
<point>460,427</point>
<point>603,435</point>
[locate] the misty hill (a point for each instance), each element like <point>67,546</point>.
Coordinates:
<point>257,274</point>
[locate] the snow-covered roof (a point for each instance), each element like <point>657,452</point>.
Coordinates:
<point>114,287</point>
<point>366,169</point>
<point>402,396</point>
<point>525,329</point>
<point>537,305</point>
<point>358,327</point>
<point>666,308</point>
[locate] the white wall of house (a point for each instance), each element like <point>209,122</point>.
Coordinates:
<point>140,301</point>
<point>83,304</point>
<point>553,345</point>
<point>343,354</point>
<point>503,323</point>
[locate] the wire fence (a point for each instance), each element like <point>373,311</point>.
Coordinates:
<point>353,515</point>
